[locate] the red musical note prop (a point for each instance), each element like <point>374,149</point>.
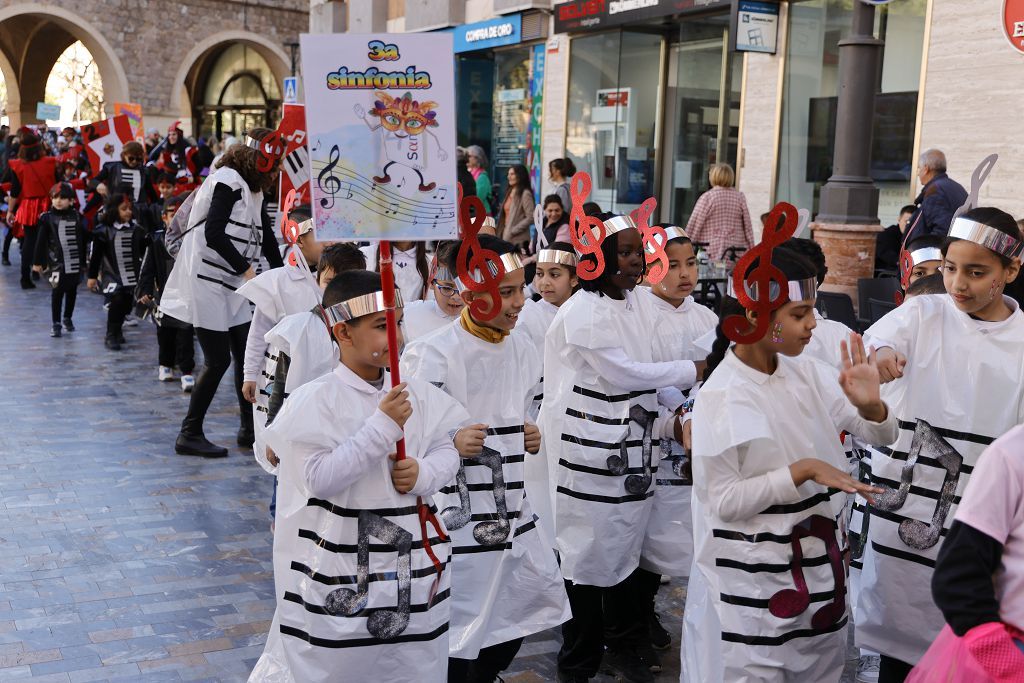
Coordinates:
<point>780,225</point>
<point>789,602</point>
<point>289,228</point>
<point>587,232</point>
<point>271,149</point>
<point>654,239</point>
<point>474,259</point>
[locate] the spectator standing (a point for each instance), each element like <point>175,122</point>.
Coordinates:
<point>476,162</point>
<point>940,196</point>
<point>516,212</point>
<point>464,177</point>
<point>720,218</point>
<point>890,241</point>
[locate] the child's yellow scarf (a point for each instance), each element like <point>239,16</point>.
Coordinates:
<point>488,334</point>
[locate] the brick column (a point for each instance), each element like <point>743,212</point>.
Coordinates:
<point>849,253</point>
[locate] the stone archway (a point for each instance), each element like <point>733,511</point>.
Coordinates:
<point>32,37</point>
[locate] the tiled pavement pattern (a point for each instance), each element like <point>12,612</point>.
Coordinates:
<point>120,560</point>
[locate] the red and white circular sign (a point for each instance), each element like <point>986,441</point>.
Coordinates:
<point>1013,23</point>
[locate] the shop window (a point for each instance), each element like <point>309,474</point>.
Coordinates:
<point>240,93</point>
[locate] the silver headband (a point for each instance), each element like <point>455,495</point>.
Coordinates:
<point>358,306</point>
<point>305,226</point>
<point>986,236</point>
<point>919,256</point>
<point>671,232</point>
<point>557,257</point>
<point>613,225</point>
<point>509,262</point>
<point>252,143</point>
<point>489,222</point>
<point>799,290</point>
<point>442,273</point>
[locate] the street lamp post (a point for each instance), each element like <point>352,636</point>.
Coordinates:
<point>847,223</point>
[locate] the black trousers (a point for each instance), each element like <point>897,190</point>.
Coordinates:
<point>64,296</point>
<point>485,668</point>
<point>218,350</point>
<point>28,250</point>
<point>612,617</point>
<point>8,238</point>
<point>648,584</point>
<point>892,670</point>
<point>176,345</point>
<point>121,303</point>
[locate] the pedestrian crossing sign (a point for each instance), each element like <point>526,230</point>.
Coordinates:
<point>291,90</point>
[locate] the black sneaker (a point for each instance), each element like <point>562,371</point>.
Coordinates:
<point>55,330</point>
<point>120,338</point>
<point>660,638</point>
<point>112,343</point>
<point>246,437</point>
<point>627,666</point>
<point>6,261</point>
<point>191,444</point>
<point>650,657</point>
<point>566,677</point>
<point>68,325</point>
<point>27,284</point>
<point>35,276</point>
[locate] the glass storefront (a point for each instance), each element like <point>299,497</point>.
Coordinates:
<point>241,93</point>
<point>810,97</point>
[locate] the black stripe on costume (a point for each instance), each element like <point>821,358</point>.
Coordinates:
<point>897,518</point>
<point>216,281</point>
<point>505,460</point>
<point>902,554</point>
<point>922,460</point>
<point>614,398</point>
<point>856,564</point>
<point>800,506</point>
<point>759,567</point>
<point>512,485</point>
<point>605,445</point>
<point>351,547</point>
<point>762,603</point>
<point>674,482</point>
<point>493,516</point>
<point>600,471</point>
<point>354,512</point>
<point>915,490</point>
<point>507,545</point>
<point>612,500</point>
<point>318,609</point>
<point>501,431</point>
<point>763,537</point>
<point>241,240</point>
<point>785,637</point>
<point>597,418</point>
<point>363,642</point>
<point>951,433</point>
<point>227,270</point>
<point>341,580</point>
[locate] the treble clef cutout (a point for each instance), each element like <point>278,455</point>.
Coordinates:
<point>978,179</point>
<point>766,278</point>
<point>384,624</point>
<point>586,232</point>
<point>791,602</point>
<point>475,261</point>
<point>271,149</point>
<point>329,183</point>
<point>654,239</point>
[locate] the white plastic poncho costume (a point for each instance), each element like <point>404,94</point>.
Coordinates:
<point>767,595</point>
<point>668,541</point>
<point>603,437</point>
<point>507,581</point>
<point>423,317</point>
<point>308,345</point>
<point>202,287</point>
<point>276,293</point>
<point>353,580</point>
<point>961,389</point>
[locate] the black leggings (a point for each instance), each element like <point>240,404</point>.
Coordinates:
<point>488,664</point>
<point>28,251</point>
<point>66,292</point>
<point>8,238</point>
<point>218,350</point>
<point>892,670</point>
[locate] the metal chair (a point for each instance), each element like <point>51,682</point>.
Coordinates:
<point>878,309</point>
<point>882,288</point>
<point>839,307</point>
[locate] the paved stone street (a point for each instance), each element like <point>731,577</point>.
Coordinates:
<point>120,560</point>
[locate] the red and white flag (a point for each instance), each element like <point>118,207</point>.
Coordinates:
<point>104,140</point>
<point>295,164</point>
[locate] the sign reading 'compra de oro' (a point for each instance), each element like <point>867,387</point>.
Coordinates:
<point>1013,23</point>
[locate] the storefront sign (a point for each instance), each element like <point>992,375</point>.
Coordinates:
<point>487,34</point>
<point>533,161</point>
<point>590,15</point>
<point>380,118</point>
<point>1013,23</point>
<point>756,26</point>
<point>47,112</point>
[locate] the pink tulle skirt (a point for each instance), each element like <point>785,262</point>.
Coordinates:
<point>985,654</point>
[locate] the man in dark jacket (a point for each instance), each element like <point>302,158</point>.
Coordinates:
<point>940,196</point>
<point>890,241</point>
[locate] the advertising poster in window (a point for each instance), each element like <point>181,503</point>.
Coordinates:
<point>380,117</point>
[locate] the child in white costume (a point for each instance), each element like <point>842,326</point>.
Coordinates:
<point>767,594</point>
<point>424,316</point>
<point>600,418</point>
<point>505,577</point>
<point>556,281</point>
<point>276,293</point>
<point>360,594</point>
<point>957,361</point>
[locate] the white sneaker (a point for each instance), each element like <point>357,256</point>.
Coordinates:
<point>131,321</point>
<point>166,374</point>
<point>867,668</point>
<point>187,382</point>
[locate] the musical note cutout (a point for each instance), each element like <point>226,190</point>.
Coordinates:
<point>791,602</point>
<point>271,149</point>
<point>654,239</point>
<point>490,532</point>
<point>384,624</point>
<point>779,226</point>
<point>496,531</point>
<point>637,484</point>
<point>586,232</point>
<point>475,261</point>
<point>440,193</point>
<point>617,463</point>
<point>329,183</point>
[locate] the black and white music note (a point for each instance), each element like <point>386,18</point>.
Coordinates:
<point>382,623</point>
<point>638,484</point>
<point>328,182</point>
<point>458,517</point>
<point>440,193</point>
<point>496,531</point>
